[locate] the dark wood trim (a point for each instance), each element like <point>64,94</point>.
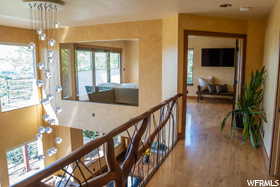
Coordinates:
<point>98,48</point>
<point>244,63</point>
<point>274,164</point>
<point>73,80</point>
<point>60,2</point>
<point>214,34</point>
<point>184,98</point>
<point>187,33</point>
<point>74,73</point>
<point>191,97</point>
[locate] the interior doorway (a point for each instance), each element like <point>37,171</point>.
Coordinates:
<point>238,66</point>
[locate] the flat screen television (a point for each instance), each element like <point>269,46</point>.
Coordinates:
<point>221,57</point>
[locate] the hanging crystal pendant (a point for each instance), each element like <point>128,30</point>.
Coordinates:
<point>49,130</point>
<point>41,66</point>
<point>45,101</point>
<point>50,53</point>
<point>31,46</point>
<point>42,130</point>
<point>58,110</point>
<point>50,60</point>
<point>58,89</point>
<point>39,136</point>
<point>43,36</point>
<point>39,32</point>
<point>58,140</point>
<point>48,75</point>
<point>52,122</point>
<point>46,117</point>
<point>41,157</point>
<point>50,97</point>
<point>40,83</point>
<point>52,151</point>
<point>52,42</point>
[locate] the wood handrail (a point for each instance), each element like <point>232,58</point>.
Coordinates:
<point>107,140</point>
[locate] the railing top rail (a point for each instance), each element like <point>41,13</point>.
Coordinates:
<point>87,148</point>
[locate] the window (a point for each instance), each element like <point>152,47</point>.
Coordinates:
<point>190,67</point>
<point>115,67</point>
<point>97,153</point>
<point>24,161</point>
<point>96,67</point>
<point>84,71</point>
<point>92,72</point>
<point>66,71</point>
<point>17,77</point>
<point>89,136</point>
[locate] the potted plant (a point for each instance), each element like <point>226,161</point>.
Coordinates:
<point>249,109</point>
<point>146,157</point>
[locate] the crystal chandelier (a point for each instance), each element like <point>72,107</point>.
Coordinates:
<point>44,23</point>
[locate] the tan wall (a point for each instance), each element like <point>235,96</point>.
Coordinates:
<point>218,24</point>
<point>271,61</point>
<point>222,75</point>
<point>169,56</point>
<point>131,72</point>
<point>150,59</point>
<point>17,126</point>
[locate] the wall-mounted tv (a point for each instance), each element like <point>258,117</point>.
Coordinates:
<point>223,57</point>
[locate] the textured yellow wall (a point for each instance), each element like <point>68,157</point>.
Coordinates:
<point>131,73</point>
<point>149,36</point>
<point>271,61</point>
<point>169,56</point>
<point>17,126</point>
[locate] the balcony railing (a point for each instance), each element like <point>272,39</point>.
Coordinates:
<point>148,139</point>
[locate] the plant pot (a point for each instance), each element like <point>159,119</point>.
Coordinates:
<point>239,121</point>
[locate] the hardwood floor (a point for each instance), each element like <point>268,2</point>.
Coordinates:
<point>209,157</point>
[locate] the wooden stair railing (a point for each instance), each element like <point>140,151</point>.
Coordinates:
<point>152,135</point>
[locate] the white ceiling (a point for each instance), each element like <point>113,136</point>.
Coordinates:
<point>88,12</point>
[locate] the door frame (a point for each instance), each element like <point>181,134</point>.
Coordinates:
<point>274,161</point>
<point>187,33</point>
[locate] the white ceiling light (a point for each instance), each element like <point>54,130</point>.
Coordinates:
<point>245,9</point>
<point>44,23</point>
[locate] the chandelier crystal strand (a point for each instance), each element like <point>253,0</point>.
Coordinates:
<point>43,15</point>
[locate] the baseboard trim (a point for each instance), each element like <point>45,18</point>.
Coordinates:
<point>191,97</point>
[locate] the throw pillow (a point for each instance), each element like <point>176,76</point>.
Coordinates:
<point>212,88</point>
<point>221,88</point>
<point>203,83</point>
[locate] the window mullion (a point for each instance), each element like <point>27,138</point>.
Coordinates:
<point>93,68</point>
<point>108,67</point>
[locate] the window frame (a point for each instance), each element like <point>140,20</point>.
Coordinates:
<point>22,145</point>
<point>73,47</point>
<point>36,96</point>
<point>108,50</point>
<point>190,84</point>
